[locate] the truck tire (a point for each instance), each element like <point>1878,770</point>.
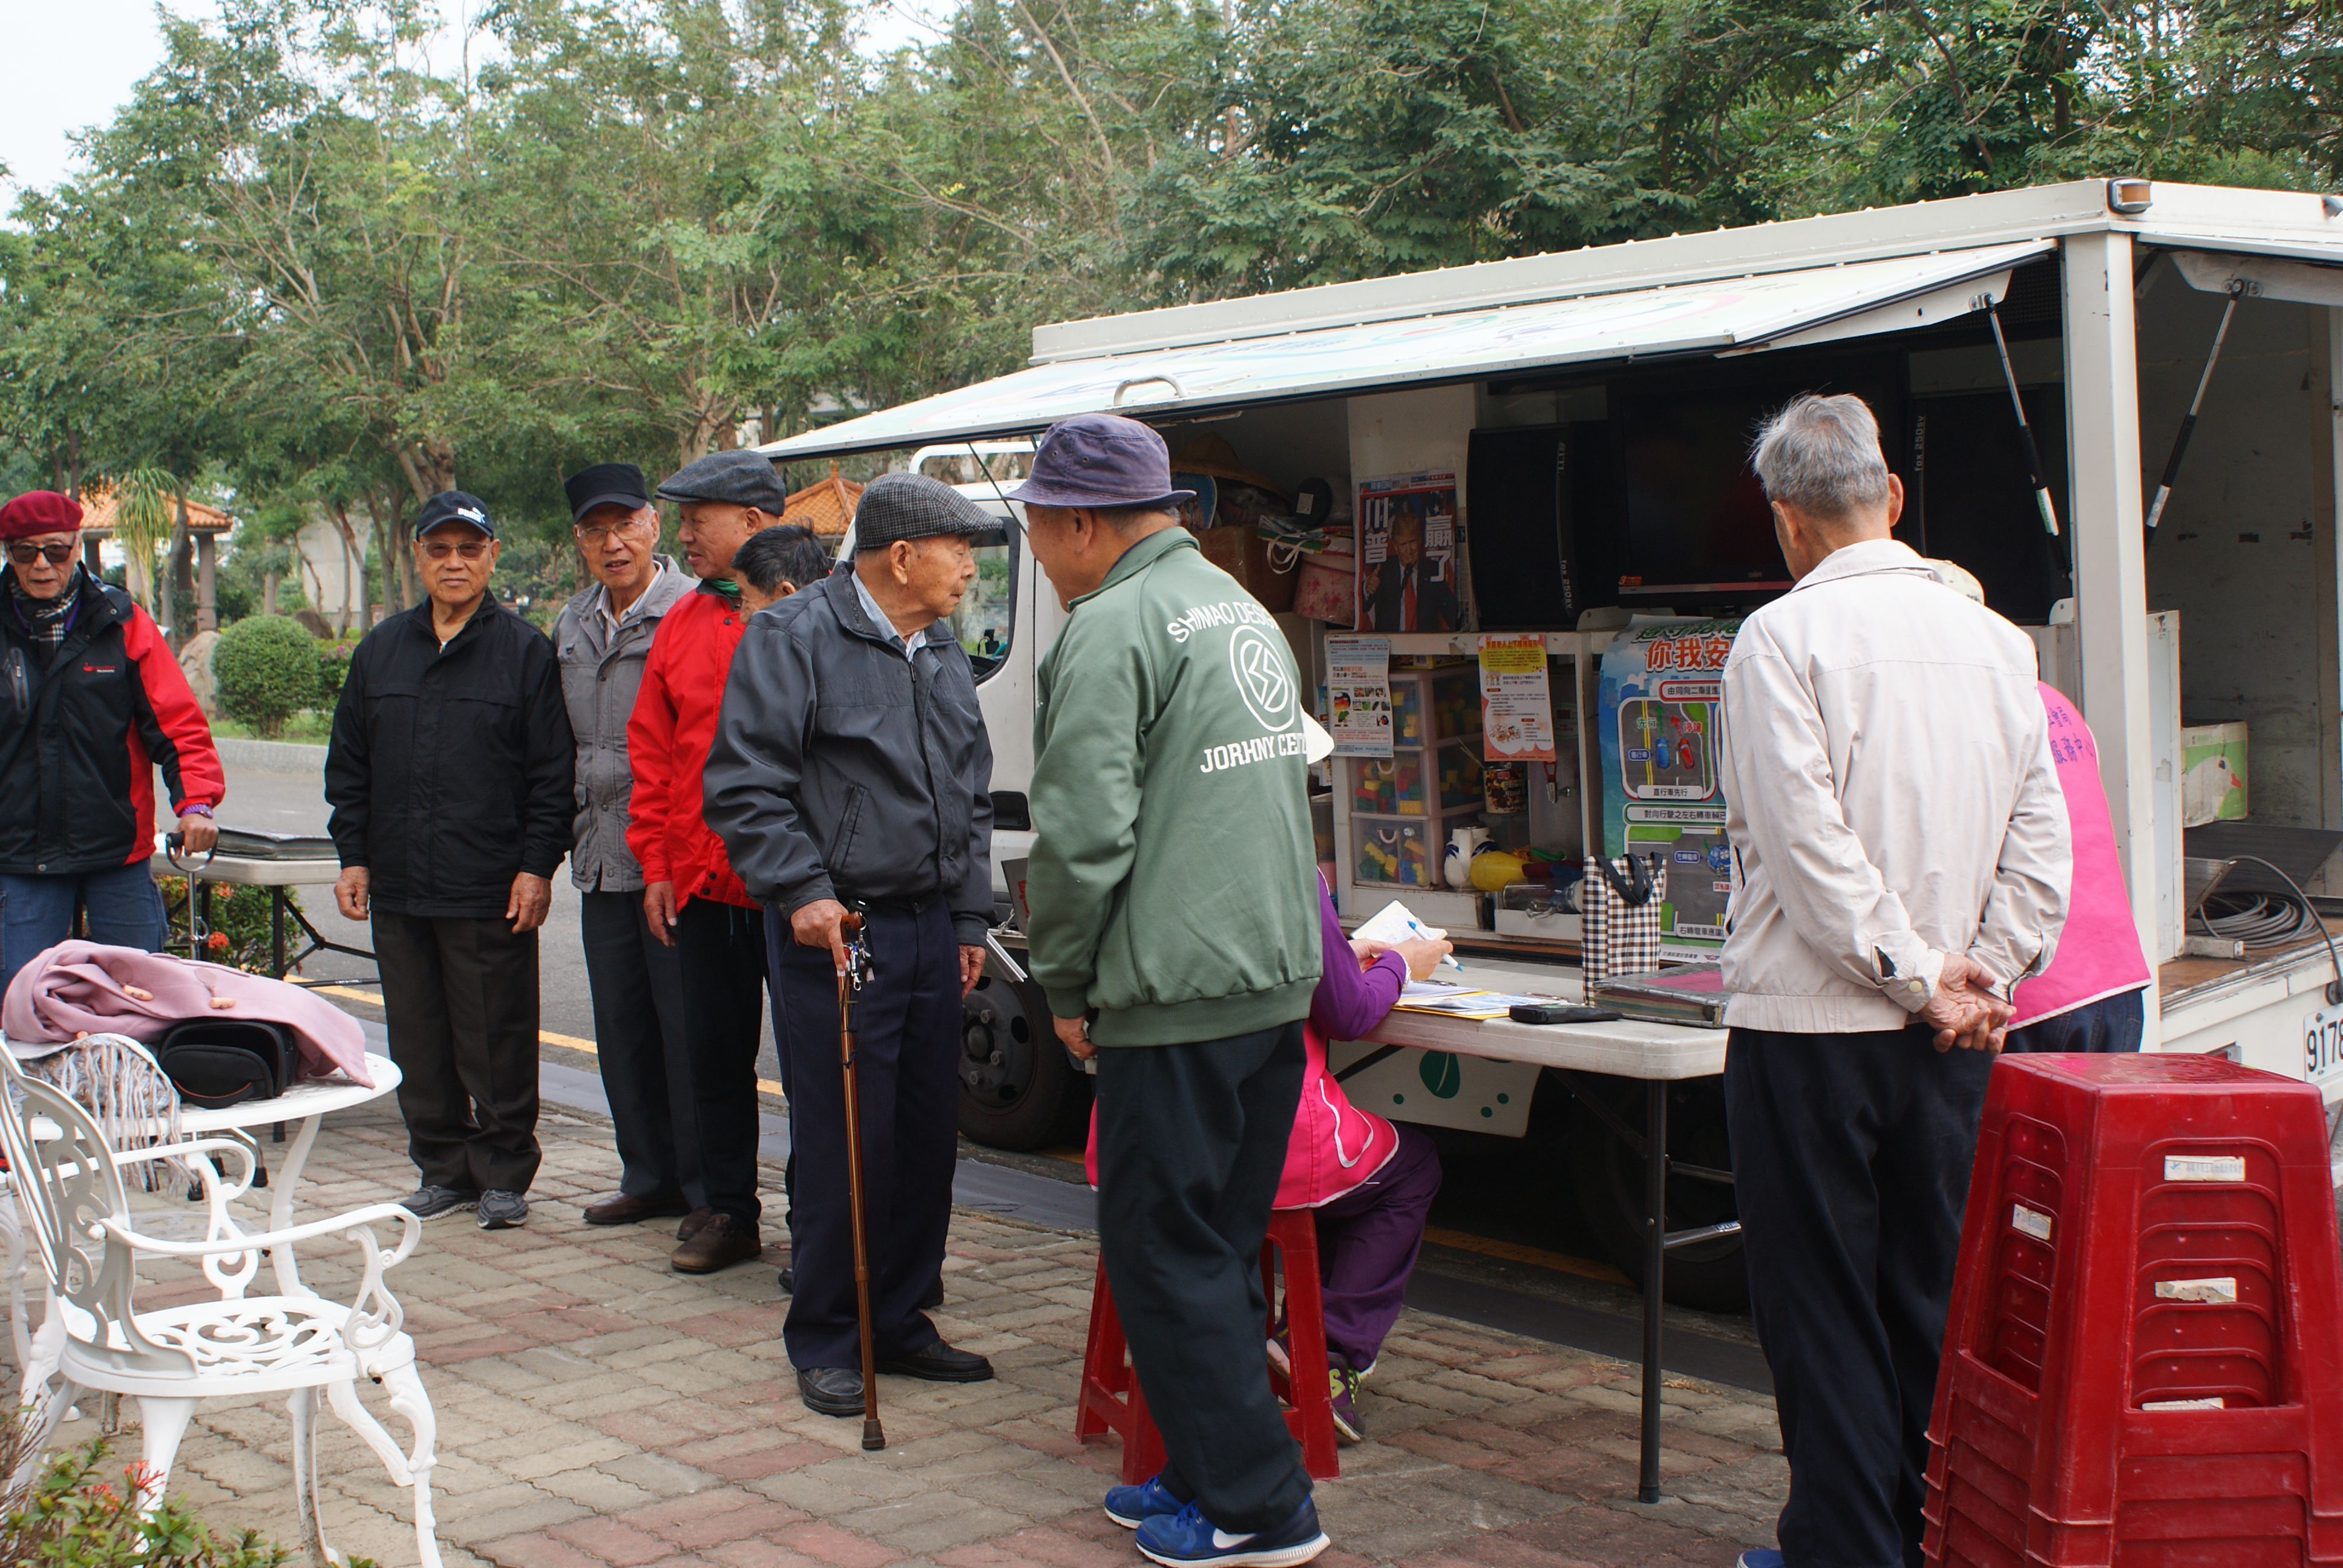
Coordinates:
<point>1018,1089</point>
<point>1706,1276</point>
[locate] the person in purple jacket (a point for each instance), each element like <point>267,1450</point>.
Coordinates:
<point>1371,1180</point>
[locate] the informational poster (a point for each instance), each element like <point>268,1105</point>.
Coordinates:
<point>1358,695</point>
<point>1662,694</point>
<point>1409,563</point>
<point>1516,704</point>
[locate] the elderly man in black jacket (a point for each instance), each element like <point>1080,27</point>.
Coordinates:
<point>449,776</point>
<point>850,765</point>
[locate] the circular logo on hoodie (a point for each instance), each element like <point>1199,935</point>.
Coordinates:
<point>1259,667</point>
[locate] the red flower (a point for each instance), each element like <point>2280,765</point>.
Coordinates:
<point>217,941</point>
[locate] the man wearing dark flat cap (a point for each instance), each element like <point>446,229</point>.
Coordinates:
<point>851,766</point>
<point>602,639</point>
<point>449,772</point>
<point>691,899</point>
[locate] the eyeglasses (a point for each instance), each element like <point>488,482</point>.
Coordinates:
<point>591,533</point>
<point>24,552</point>
<point>440,550</point>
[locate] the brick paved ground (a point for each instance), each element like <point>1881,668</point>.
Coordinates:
<point>597,1411</point>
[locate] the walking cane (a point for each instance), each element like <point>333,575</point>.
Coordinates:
<point>849,985</point>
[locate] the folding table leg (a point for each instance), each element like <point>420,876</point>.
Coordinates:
<point>1656,1264</point>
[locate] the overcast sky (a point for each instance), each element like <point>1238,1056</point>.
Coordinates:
<point>72,63</point>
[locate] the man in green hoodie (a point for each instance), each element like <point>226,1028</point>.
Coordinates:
<point>1174,930</point>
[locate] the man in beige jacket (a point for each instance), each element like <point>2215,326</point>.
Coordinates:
<point>1901,861</point>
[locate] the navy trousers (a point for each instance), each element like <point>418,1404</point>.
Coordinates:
<point>637,984</point>
<point>2111,1023</point>
<point>720,958</point>
<point>1191,1140</point>
<point>1851,1157</point>
<point>907,1054</point>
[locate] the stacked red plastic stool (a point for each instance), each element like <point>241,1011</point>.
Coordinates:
<point>1111,1400</point>
<point>2144,1361</point>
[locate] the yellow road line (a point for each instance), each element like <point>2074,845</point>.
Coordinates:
<point>1513,1252</point>
<point>545,1036</point>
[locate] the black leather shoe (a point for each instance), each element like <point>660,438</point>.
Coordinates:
<point>788,1281</point>
<point>831,1390</point>
<point>627,1208</point>
<point>939,1363</point>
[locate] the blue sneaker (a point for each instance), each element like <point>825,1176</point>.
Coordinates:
<point>1188,1537</point>
<point>1759,1557</point>
<point>1132,1506</point>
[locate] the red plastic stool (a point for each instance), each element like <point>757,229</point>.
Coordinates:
<point>2143,1362</point>
<point>1110,1398</point>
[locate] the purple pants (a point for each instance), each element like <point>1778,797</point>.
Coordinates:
<point>1367,1243</point>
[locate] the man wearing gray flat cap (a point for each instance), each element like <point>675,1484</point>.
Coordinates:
<point>850,765</point>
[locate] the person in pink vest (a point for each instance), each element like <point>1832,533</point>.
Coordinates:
<point>2091,996</point>
<point>1371,1180</point>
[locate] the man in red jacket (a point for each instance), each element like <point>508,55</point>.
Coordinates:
<point>91,702</point>
<point>690,896</point>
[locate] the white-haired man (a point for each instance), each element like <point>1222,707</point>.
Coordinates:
<point>1901,859</point>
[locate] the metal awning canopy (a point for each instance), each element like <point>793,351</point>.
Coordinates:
<point>1779,309</point>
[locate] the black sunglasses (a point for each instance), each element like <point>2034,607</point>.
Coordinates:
<point>23,553</point>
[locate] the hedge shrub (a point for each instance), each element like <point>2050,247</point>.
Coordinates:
<point>265,667</point>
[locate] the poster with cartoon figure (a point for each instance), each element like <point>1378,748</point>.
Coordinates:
<point>1662,688</point>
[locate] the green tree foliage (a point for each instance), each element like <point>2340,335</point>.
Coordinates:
<point>266,668</point>
<point>335,255</point>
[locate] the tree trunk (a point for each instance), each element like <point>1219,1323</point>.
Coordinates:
<point>268,592</point>
<point>177,588</point>
<point>353,568</point>
<point>73,463</point>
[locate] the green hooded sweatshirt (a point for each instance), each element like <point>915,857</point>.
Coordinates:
<point>1173,881</point>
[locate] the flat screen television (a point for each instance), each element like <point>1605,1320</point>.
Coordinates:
<point>1698,529</point>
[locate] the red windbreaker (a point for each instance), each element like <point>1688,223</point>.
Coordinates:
<point>668,737</point>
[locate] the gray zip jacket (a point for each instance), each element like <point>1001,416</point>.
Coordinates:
<point>599,674</point>
<point>841,769</point>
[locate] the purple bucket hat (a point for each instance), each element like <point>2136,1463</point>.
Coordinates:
<point>1101,461</point>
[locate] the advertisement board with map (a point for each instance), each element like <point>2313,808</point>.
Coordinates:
<point>1661,693</point>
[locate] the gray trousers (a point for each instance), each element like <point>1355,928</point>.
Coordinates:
<point>637,982</point>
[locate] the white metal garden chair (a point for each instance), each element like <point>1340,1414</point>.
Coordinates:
<point>70,1187</point>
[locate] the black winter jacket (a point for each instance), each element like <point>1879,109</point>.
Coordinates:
<point>450,771</point>
<point>842,769</point>
<point>82,732</point>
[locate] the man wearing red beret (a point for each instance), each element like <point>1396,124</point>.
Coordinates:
<point>91,703</point>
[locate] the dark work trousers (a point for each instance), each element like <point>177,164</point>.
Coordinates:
<point>2111,1023</point>
<point>720,949</point>
<point>637,982</point>
<point>1191,1141</point>
<point>907,1055</point>
<point>1851,1157</point>
<point>459,998</point>
<point>1367,1243</point>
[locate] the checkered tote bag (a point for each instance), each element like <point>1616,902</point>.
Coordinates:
<point>1620,903</point>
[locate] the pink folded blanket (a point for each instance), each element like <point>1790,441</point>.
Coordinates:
<point>85,987</point>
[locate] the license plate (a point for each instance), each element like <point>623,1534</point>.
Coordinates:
<point>2322,1045</point>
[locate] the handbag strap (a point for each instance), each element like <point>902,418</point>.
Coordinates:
<point>1634,888</point>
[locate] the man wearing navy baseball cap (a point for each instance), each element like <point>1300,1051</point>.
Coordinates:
<point>449,774</point>
<point>603,639</point>
<point>1174,930</point>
